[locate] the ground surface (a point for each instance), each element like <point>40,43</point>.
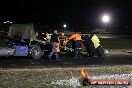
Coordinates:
<point>28,73</point>
<point>115,57</point>
<point>25,72</point>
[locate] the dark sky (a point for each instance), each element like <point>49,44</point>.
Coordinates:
<point>72,12</point>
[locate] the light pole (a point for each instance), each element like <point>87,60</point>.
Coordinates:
<point>105,19</point>
<point>64,26</point>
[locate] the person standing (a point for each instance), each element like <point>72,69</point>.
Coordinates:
<point>54,40</point>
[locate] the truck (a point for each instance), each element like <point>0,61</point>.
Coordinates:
<point>21,40</point>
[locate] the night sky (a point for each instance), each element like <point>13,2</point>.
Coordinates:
<point>72,12</point>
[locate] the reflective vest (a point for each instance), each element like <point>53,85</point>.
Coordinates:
<point>95,41</point>
<point>57,47</point>
<point>76,36</point>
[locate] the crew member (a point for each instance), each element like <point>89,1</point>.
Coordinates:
<point>97,46</point>
<point>78,43</point>
<point>89,46</point>
<point>54,40</point>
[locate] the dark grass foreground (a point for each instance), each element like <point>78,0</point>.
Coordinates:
<point>42,77</point>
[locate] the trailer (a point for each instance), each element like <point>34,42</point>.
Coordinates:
<point>21,40</point>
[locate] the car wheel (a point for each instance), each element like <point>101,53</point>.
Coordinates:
<point>36,53</point>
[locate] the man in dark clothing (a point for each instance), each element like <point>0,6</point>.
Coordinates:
<point>54,40</point>
<point>88,45</point>
<point>73,43</point>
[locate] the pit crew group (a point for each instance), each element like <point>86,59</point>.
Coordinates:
<point>91,43</point>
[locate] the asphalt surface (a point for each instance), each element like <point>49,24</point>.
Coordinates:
<point>24,62</point>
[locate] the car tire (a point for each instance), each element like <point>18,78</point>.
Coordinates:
<point>36,53</point>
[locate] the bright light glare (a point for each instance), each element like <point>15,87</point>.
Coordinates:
<point>64,25</point>
<point>5,22</point>
<point>105,18</point>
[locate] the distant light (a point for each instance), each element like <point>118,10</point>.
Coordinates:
<point>43,33</point>
<point>5,22</point>
<point>11,22</point>
<point>64,25</point>
<point>105,18</point>
<point>8,21</point>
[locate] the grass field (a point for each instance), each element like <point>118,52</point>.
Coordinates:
<point>117,43</point>
<point>42,78</point>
